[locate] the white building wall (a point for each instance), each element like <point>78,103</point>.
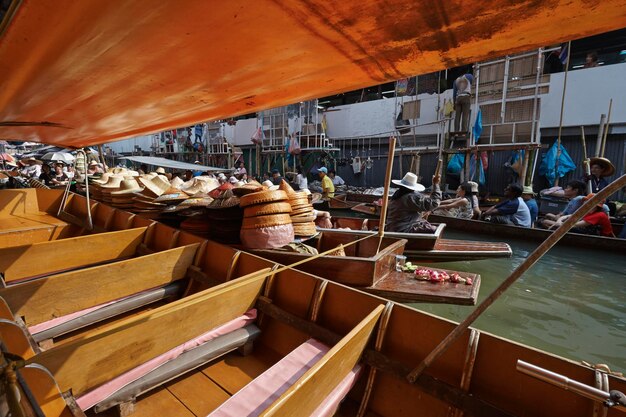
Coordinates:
<point>588,94</point>
<point>586,97</point>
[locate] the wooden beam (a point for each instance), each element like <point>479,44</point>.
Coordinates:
<point>103,354</point>
<point>57,295</point>
<point>310,390</point>
<point>438,389</point>
<point>28,261</point>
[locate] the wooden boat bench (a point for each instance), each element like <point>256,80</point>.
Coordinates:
<point>165,337</point>
<point>311,380</point>
<point>58,304</point>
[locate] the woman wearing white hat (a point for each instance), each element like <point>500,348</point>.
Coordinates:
<point>408,204</point>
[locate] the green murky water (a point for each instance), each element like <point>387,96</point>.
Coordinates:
<point>571,303</point>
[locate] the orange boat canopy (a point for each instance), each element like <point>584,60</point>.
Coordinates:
<point>78,73</point>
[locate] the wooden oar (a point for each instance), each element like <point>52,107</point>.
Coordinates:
<point>523,267</point>
<point>383,210</point>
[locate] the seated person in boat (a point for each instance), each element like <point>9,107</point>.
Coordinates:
<point>46,175</point>
<point>575,191</point>
<point>512,211</point>
<point>528,195</point>
<point>328,188</point>
<point>475,203</point>
<point>460,207</point>
<point>600,168</point>
<point>337,180</point>
<point>596,222</point>
<point>408,204</point>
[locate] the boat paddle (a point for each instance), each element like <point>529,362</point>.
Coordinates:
<point>518,272</point>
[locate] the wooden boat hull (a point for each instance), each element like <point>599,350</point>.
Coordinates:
<point>534,234</point>
<point>426,247</point>
<point>372,270</point>
<point>295,306</point>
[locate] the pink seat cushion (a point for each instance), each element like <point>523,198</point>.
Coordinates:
<point>102,392</point>
<point>38,328</point>
<point>260,393</point>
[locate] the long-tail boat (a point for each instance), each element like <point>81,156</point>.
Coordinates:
<point>531,234</point>
<point>370,265</point>
<point>83,73</point>
<point>100,344</point>
<point>426,247</point>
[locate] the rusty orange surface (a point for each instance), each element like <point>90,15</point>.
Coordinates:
<point>92,71</point>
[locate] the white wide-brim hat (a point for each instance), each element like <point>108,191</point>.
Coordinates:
<point>409,181</point>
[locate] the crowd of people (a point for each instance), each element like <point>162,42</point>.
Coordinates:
<point>409,207</point>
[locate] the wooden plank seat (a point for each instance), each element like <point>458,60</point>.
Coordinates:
<point>58,304</point>
<point>74,321</point>
<point>16,263</point>
<point>172,364</point>
<point>100,356</point>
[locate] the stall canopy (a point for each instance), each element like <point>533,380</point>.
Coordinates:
<point>168,163</point>
<point>85,72</point>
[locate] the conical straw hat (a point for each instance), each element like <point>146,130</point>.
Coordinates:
<point>157,185</point>
<point>113,182</point>
<point>177,182</point>
<point>103,179</point>
<point>128,187</point>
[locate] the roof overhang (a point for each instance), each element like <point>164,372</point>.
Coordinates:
<point>77,73</point>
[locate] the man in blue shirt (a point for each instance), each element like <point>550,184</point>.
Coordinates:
<point>528,195</point>
<point>513,211</point>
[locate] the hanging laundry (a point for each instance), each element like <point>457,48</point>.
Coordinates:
<point>357,165</point>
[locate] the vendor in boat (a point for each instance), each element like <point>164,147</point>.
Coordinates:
<point>461,207</point>
<point>408,204</point>
<point>336,179</point>
<point>328,188</point>
<point>276,177</point>
<point>512,211</point>
<point>600,168</point>
<point>596,222</point>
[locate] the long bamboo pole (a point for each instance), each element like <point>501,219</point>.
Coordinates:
<point>586,166</point>
<point>523,267</point>
<point>606,129</point>
<point>383,211</point>
<point>558,140</point>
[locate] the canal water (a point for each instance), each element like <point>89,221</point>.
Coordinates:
<point>571,303</point>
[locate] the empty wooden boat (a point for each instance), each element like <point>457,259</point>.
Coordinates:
<point>427,247</point>
<point>292,307</point>
<point>370,265</point>
<point>532,234</point>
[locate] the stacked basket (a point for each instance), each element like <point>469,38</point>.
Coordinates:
<point>302,215</point>
<point>266,222</point>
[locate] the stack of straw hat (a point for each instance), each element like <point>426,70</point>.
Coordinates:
<point>302,213</point>
<point>224,218</point>
<point>123,197</point>
<point>266,223</point>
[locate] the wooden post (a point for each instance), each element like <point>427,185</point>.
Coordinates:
<point>104,164</point>
<point>523,267</point>
<point>558,140</point>
<point>383,211</point>
<point>586,166</point>
<point>606,129</point>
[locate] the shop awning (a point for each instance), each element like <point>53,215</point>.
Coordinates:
<point>168,163</point>
<point>78,73</point>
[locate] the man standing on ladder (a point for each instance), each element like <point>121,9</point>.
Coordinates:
<point>461,93</point>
